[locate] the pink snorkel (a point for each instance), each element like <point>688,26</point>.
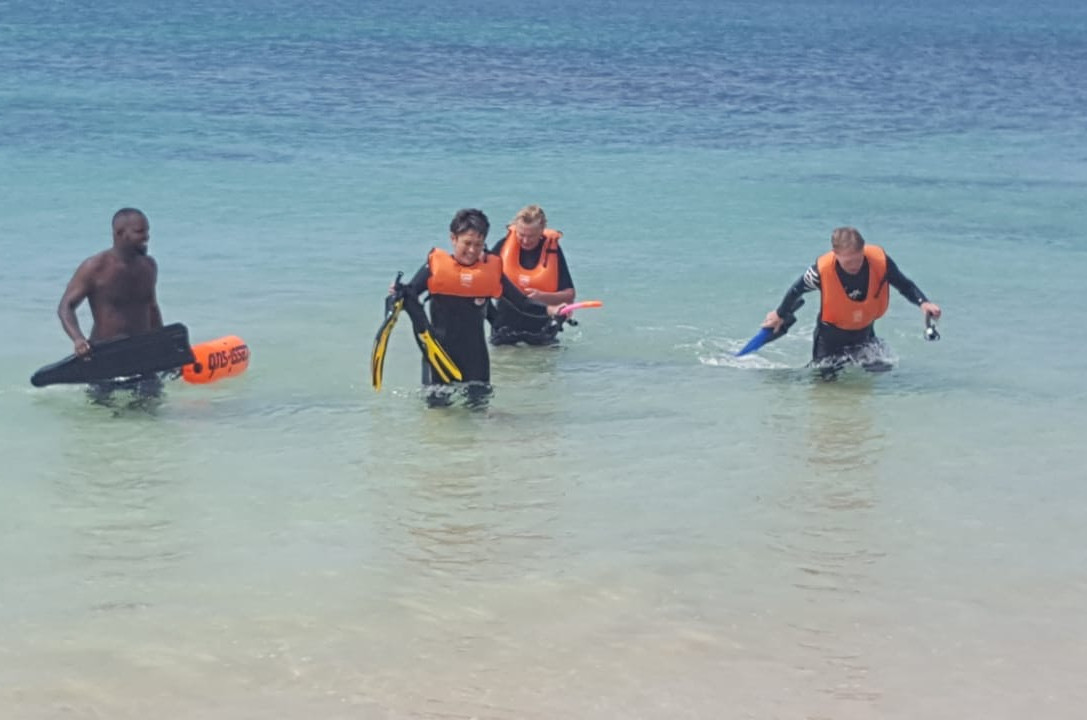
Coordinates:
<point>569,309</point>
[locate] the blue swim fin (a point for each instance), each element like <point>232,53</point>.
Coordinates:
<point>766,335</point>
<point>762,337</point>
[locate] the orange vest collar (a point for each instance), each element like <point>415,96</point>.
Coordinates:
<point>543,277</point>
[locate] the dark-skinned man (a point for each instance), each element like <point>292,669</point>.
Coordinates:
<point>119,285</point>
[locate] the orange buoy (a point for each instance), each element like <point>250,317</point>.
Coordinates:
<point>217,359</point>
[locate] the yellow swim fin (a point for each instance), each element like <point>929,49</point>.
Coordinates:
<point>433,352</point>
<point>381,342</point>
<point>439,359</point>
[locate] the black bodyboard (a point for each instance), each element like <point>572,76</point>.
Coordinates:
<point>158,351</point>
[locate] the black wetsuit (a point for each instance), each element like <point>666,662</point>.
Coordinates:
<point>833,342</point>
<point>458,326</point>
<point>509,324</point>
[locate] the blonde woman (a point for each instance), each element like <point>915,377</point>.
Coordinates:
<point>534,262</point>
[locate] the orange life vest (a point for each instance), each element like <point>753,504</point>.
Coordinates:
<point>543,277</point>
<point>449,277</point>
<point>841,311</point>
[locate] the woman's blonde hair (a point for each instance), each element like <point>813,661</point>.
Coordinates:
<point>530,215</point>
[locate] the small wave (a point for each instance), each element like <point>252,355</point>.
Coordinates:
<point>722,353</point>
<point>748,362</point>
<point>876,356</point>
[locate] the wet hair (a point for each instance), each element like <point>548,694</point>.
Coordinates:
<point>124,214</point>
<point>530,215</point>
<point>846,238</point>
<point>470,219</point>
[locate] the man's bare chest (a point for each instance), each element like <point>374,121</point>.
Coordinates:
<point>123,285</point>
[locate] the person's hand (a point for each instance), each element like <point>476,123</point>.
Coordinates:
<point>82,347</point>
<point>554,310</point>
<point>930,308</point>
<point>773,321</point>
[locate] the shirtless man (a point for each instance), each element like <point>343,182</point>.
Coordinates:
<point>119,284</point>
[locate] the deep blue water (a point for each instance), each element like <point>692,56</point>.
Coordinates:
<point>269,82</point>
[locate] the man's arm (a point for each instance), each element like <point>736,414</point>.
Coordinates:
<point>79,287</point>
<point>909,289</point>
<point>156,316</point>
<point>903,284</point>
<point>156,313</point>
<point>807,282</point>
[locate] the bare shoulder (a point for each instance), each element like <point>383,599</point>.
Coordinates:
<point>94,264</point>
<point>86,276</point>
<point>98,259</point>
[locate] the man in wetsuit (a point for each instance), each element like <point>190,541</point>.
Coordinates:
<point>533,260</point>
<point>459,285</point>
<point>852,280</point>
<point>119,284</point>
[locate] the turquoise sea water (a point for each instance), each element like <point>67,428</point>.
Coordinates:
<point>640,525</point>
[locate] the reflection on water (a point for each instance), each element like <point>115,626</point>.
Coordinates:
<point>827,535</point>
<point>465,507</point>
<point>117,500</point>
<point>840,430</point>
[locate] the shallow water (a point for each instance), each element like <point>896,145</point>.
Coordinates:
<point>640,524</point>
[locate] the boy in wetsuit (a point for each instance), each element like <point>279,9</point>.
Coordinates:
<point>459,285</point>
